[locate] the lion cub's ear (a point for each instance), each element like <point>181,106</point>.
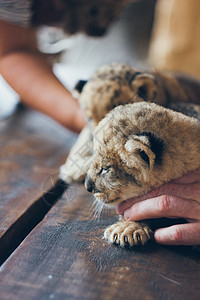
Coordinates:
<point>144,85</point>
<point>138,150</point>
<point>143,149</point>
<point>78,88</point>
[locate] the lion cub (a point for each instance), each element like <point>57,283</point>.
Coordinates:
<point>118,84</point>
<point>138,147</point>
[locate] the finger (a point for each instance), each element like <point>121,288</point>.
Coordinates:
<point>182,234</point>
<point>121,207</point>
<point>129,202</point>
<point>187,191</point>
<point>163,206</point>
<point>190,177</point>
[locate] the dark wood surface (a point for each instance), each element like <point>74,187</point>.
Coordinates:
<point>50,247</point>
<point>64,256</point>
<point>32,147</point>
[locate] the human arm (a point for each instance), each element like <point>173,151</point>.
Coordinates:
<point>177,199</point>
<point>30,75</point>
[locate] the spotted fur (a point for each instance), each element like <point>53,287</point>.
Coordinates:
<point>119,84</point>
<point>143,155</point>
<point>89,17</point>
<point>161,146</point>
<point>138,145</point>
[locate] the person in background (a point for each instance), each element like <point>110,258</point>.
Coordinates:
<point>28,71</point>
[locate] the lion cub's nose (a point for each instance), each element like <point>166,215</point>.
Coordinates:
<point>89,184</point>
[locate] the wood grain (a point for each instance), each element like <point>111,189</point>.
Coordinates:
<point>65,257</point>
<point>32,149</point>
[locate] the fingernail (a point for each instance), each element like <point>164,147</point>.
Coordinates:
<point>127,214</point>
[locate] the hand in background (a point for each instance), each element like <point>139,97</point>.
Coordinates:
<point>29,73</point>
<point>178,199</point>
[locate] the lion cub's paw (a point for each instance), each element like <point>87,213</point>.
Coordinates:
<point>74,171</point>
<point>125,233</point>
<point>79,159</point>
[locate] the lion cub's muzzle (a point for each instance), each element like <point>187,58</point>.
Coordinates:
<point>89,184</point>
<point>99,196</point>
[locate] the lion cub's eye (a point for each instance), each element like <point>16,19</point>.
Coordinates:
<point>104,170</point>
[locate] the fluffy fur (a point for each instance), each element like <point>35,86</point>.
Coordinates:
<point>75,16</point>
<point>133,152</point>
<point>119,84</point>
<point>138,145</point>
<point>90,16</point>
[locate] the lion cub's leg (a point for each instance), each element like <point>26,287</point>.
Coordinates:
<point>127,233</point>
<point>79,158</point>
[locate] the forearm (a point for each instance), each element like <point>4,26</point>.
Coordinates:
<point>32,78</point>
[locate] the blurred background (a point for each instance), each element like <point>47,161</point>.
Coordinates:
<point>77,57</point>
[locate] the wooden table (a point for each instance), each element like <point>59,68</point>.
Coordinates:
<point>52,247</point>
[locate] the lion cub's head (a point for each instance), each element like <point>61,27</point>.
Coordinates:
<point>114,85</point>
<point>124,156</point>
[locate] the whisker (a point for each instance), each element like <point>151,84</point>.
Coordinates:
<point>96,210</point>
<point>92,208</point>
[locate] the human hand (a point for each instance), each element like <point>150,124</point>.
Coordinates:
<point>178,199</point>
<point>30,74</point>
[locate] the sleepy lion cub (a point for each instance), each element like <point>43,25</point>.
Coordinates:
<point>138,147</point>
<point>117,84</point>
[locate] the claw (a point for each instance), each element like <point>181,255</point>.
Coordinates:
<point>138,237</point>
<point>115,237</point>
<point>125,239</point>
